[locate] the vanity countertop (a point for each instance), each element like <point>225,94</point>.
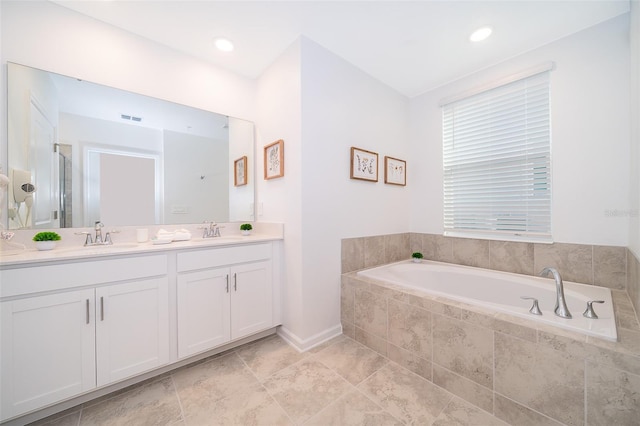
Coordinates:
<point>11,258</point>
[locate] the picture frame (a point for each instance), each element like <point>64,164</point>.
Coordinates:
<point>274,160</point>
<point>395,171</point>
<point>240,171</point>
<point>364,164</point>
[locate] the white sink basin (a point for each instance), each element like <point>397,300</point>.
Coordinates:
<point>95,249</point>
<point>214,240</point>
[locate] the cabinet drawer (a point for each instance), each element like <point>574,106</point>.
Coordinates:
<point>213,258</point>
<point>35,279</point>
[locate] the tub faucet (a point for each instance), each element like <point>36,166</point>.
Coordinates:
<point>561,309</point>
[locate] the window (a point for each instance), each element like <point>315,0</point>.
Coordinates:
<point>497,162</point>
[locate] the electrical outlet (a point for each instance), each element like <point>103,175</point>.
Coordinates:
<point>179,209</point>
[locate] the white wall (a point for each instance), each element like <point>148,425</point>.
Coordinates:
<point>590,135</point>
<point>344,107</point>
<point>320,106</point>
<point>45,35</point>
<point>279,116</point>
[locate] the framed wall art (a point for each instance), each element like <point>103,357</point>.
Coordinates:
<point>240,171</point>
<point>395,171</point>
<point>364,164</point>
<point>274,160</point>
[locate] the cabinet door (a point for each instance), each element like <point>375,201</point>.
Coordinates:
<point>251,299</point>
<point>203,310</point>
<point>48,350</point>
<point>132,328</point>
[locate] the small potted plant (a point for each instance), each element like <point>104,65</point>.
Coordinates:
<point>46,240</point>
<point>246,228</point>
<point>417,257</point>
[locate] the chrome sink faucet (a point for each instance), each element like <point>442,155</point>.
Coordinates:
<point>98,228</point>
<point>98,239</point>
<point>561,309</point>
<point>211,230</point>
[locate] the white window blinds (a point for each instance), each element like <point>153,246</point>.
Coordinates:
<point>497,162</point>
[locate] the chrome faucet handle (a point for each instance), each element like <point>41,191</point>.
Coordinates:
<point>88,240</point>
<point>535,309</point>
<point>589,312</point>
<point>107,237</point>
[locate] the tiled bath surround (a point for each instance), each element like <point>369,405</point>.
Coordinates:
<point>522,372</point>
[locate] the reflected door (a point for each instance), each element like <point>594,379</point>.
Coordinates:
<point>44,169</point>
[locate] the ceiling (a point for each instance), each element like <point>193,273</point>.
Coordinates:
<point>412,46</point>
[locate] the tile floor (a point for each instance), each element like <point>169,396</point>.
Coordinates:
<point>269,383</point>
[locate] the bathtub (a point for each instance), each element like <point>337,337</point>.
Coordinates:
<point>502,292</point>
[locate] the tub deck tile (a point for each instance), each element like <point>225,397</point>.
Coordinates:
<point>517,414</point>
<point>478,395</point>
<point>409,360</point>
<point>464,348</point>
<point>548,381</point>
<point>613,396</point>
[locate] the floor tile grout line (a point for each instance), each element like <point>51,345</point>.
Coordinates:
<point>281,407</point>
<point>355,386</point>
<point>389,362</point>
<point>261,382</point>
<point>175,389</point>
<point>307,357</point>
<point>378,405</point>
<point>273,398</point>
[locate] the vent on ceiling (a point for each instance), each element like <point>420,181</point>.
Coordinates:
<point>131,118</point>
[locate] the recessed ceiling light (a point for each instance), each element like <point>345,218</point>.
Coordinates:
<point>480,34</point>
<point>224,44</point>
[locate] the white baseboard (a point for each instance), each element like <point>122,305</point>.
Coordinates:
<point>303,345</point>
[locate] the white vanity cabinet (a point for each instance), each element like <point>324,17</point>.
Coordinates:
<point>69,328</point>
<point>223,295</point>
<point>48,350</point>
<point>72,328</point>
<point>132,328</point>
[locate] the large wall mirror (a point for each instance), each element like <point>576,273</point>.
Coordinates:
<point>79,152</point>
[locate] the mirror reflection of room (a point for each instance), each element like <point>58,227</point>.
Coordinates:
<point>88,153</point>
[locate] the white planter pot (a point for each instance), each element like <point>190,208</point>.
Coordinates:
<point>416,260</point>
<point>245,233</point>
<point>45,245</point>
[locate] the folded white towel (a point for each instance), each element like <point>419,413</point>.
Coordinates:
<point>182,235</point>
<point>163,234</point>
